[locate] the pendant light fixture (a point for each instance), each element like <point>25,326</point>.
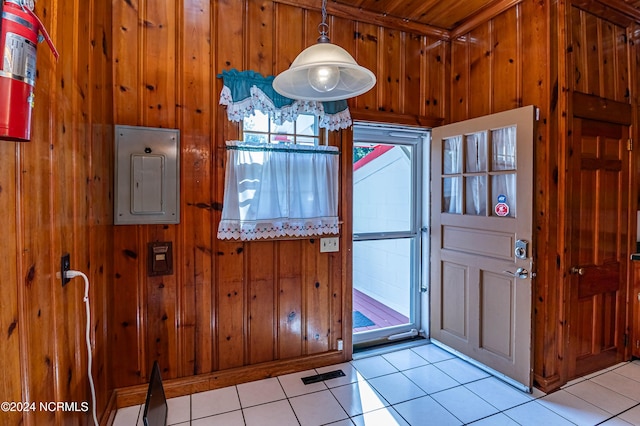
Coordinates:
<point>324,72</point>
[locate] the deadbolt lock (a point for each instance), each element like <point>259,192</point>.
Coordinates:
<point>520,250</point>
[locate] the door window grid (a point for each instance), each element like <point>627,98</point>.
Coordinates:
<point>466,173</point>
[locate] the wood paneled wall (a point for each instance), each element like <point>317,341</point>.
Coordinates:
<point>55,198</point>
<point>234,304</point>
<point>540,53</point>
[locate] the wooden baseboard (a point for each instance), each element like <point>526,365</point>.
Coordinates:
<point>135,395</point>
<point>547,384</point>
<point>109,414</point>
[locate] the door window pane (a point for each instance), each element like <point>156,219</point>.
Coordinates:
<point>452,156</point>
<point>452,195</point>
<point>382,271</point>
<point>503,145</point>
<point>382,188</point>
<point>504,186</point>
<point>476,152</point>
<point>476,195</point>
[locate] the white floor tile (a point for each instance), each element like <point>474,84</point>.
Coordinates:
<point>616,421</point>
<point>358,398</point>
<point>217,401</point>
<point>618,383</point>
<point>345,422</point>
<point>318,408</point>
<point>417,411</point>
<point>405,359</point>
<point>294,386</point>
<point>396,388</point>
<point>232,418</point>
<point>461,370</point>
<point>573,408</point>
<point>383,417</point>
<point>464,404</point>
<point>351,375</point>
<point>430,379</point>
<point>417,386</point>
<point>498,393</point>
<point>432,353</point>
<point>602,397</point>
<point>178,410</point>
<point>632,416</point>
<point>629,370</point>
<point>373,367</point>
<point>534,414</point>
<point>260,392</point>
<point>496,420</point>
<point>278,413</point>
<point>127,416</point>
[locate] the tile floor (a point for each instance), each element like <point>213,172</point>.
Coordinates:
<point>422,385</point>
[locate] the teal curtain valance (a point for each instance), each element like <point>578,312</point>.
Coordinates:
<point>247,91</point>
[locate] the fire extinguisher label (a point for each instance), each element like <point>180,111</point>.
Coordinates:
<point>20,57</point>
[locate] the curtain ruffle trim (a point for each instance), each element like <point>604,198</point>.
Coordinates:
<point>258,100</point>
<point>255,230</point>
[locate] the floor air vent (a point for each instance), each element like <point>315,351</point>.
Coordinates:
<point>322,377</point>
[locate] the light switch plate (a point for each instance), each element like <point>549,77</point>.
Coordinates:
<point>329,244</point>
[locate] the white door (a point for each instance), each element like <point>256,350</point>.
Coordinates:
<point>482,193</point>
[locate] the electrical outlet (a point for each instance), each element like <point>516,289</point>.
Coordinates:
<point>65,265</point>
<point>329,244</point>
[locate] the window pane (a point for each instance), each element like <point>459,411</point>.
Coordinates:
<point>476,194</point>
<point>452,195</point>
<point>504,148</point>
<point>281,138</point>
<point>307,125</point>
<point>254,137</point>
<point>305,140</point>
<point>258,122</point>
<point>383,188</point>
<point>503,191</point>
<point>476,152</point>
<point>452,156</point>
<point>286,128</point>
<point>382,271</point>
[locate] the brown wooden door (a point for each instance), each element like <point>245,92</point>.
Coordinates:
<point>481,262</point>
<point>598,202</point>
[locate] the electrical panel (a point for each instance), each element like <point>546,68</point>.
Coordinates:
<point>147,175</point>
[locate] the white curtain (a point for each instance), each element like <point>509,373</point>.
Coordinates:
<point>276,191</point>
<point>504,159</point>
<point>452,185</point>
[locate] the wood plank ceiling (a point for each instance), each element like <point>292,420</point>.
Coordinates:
<point>444,15</point>
<point>449,17</point>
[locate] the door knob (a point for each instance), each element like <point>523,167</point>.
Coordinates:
<point>520,273</point>
<point>576,271</point>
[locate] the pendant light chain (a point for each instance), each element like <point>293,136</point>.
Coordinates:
<point>323,28</point>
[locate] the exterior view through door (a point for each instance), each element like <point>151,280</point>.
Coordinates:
<point>481,241</point>
<point>387,185</point>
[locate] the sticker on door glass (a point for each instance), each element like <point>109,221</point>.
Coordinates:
<point>502,208</point>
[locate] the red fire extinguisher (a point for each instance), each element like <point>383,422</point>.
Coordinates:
<point>20,32</point>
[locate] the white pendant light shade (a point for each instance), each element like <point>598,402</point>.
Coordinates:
<point>324,72</point>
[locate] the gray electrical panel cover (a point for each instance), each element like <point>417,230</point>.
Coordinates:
<point>147,175</point>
